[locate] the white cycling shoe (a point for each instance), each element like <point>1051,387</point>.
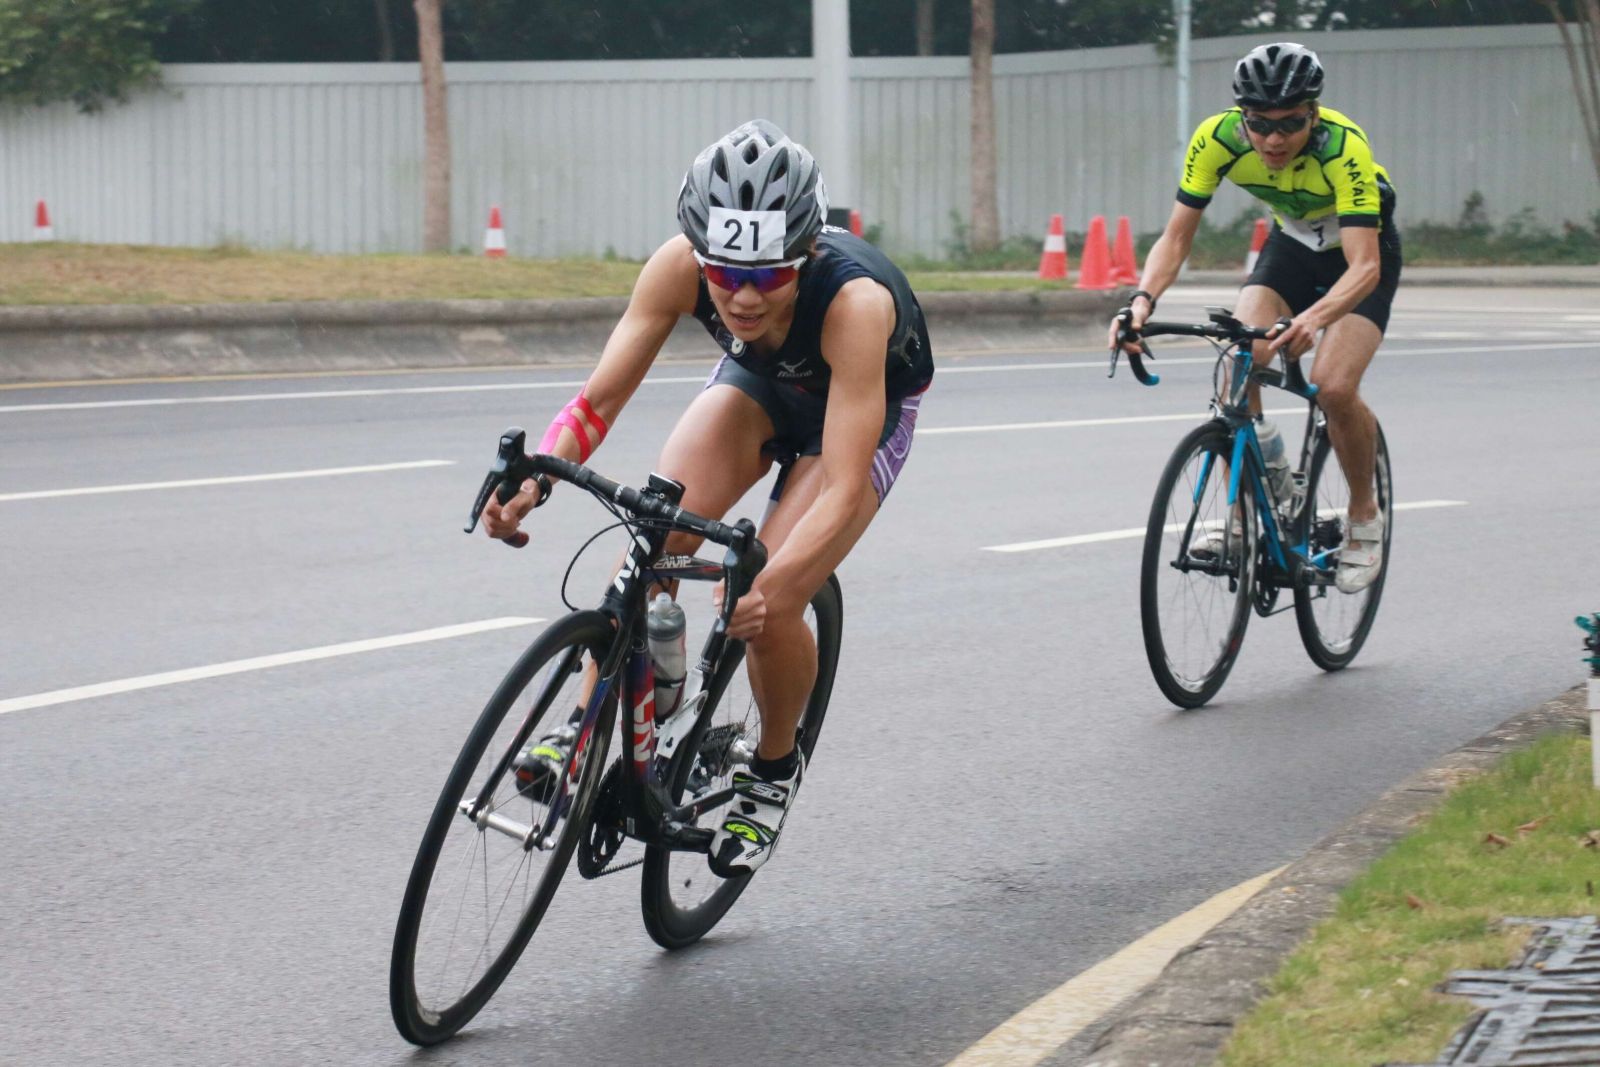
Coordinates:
<point>748,835</point>
<point>1207,547</point>
<point>1361,557</point>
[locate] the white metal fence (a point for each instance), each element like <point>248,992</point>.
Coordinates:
<point>585,158</point>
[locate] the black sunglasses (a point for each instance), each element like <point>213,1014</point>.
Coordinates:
<point>1268,127</point>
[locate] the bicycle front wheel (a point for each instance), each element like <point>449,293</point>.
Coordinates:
<point>1334,625</point>
<point>1194,596</point>
<point>681,897</point>
<point>494,851</point>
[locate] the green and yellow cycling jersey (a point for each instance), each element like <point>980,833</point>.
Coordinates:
<point>1333,180</point>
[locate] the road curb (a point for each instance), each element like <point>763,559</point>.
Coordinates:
<point>1186,1015</point>
<point>42,344</point>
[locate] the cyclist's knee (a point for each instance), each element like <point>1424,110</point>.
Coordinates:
<point>1338,396</point>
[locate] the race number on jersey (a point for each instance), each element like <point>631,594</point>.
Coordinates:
<point>745,236</point>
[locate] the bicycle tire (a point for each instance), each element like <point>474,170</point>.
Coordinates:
<point>1334,625</point>
<point>425,1020</point>
<point>1169,608</point>
<point>670,924</point>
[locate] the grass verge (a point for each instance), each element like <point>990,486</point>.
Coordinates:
<point>55,273</point>
<point>1360,990</point>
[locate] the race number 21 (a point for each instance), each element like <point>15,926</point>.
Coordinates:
<point>745,236</point>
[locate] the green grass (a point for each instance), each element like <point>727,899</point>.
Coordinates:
<point>1360,990</point>
<point>58,273</point>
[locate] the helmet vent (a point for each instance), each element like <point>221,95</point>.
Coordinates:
<point>747,195</point>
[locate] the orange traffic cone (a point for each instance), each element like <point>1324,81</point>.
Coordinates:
<point>1124,267</point>
<point>1258,240</point>
<point>1095,273</point>
<point>42,230</point>
<point>494,238</point>
<point>855,222</point>
<point>1053,261</point>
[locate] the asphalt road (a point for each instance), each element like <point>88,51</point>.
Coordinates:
<point>207,871</point>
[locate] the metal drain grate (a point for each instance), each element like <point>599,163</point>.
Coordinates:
<point>1542,1012</point>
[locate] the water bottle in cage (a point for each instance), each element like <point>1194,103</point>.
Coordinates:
<point>664,627</point>
<point>1279,476</point>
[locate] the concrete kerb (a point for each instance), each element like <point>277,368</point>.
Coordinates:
<point>70,343</point>
<point>1185,1016</point>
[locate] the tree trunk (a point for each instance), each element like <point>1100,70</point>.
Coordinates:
<point>435,129</point>
<point>385,33</point>
<point>984,235</point>
<point>1583,58</point>
<point>925,27</point>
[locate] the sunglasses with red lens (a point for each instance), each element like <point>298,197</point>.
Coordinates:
<point>765,279</point>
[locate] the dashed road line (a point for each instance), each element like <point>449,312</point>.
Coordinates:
<point>257,663</point>
<point>190,483</point>
<point>1138,531</point>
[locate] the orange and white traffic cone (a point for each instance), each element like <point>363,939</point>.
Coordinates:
<point>42,230</point>
<point>855,222</point>
<point>1053,261</point>
<point>1124,267</point>
<point>494,238</point>
<point>1258,240</point>
<point>1095,272</point>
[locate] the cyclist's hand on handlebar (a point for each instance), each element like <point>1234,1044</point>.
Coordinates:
<point>1295,337</point>
<point>502,520</point>
<point>1131,318</point>
<point>749,615</point>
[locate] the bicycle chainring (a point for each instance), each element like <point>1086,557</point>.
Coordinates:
<point>603,839</point>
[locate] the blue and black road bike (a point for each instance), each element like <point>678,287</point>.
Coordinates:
<point>1221,541</point>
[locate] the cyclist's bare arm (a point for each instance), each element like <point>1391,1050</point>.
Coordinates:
<point>855,335</point>
<point>1161,266</point>
<point>1360,278</point>
<point>665,292</point>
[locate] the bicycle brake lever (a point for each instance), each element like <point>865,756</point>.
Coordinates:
<point>1125,319</point>
<point>500,477</point>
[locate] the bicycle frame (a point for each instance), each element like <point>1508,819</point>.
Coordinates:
<point>1247,469</point>
<point>647,814</point>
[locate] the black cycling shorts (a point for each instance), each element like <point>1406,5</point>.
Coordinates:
<point>797,416</point>
<point>1302,277</point>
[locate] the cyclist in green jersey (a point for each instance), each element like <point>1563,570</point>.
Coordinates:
<point>1331,264</point>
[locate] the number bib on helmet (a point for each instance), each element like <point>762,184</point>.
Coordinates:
<point>745,236</point>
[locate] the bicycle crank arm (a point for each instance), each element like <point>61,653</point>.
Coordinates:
<point>682,838</point>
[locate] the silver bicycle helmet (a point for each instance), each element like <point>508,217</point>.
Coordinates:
<point>756,168</point>
<point>1277,75</point>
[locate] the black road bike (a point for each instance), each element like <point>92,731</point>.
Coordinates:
<point>495,848</point>
<point>1196,592</point>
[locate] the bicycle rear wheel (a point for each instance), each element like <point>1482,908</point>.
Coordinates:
<point>682,899</point>
<point>1194,610</point>
<point>1334,625</point>
<point>479,887</point>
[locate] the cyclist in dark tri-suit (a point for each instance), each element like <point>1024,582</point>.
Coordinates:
<point>825,360</point>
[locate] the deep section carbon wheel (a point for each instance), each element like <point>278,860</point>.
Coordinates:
<point>682,899</point>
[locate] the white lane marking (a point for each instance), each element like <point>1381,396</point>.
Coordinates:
<point>135,487</point>
<point>330,394</point>
<point>1580,318</point>
<point>1098,364</point>
<point>1055,1018</point>
<point>1190,416</point>
<point>1123,535</point>
<point>257,663</point>
<point>342,394</point>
